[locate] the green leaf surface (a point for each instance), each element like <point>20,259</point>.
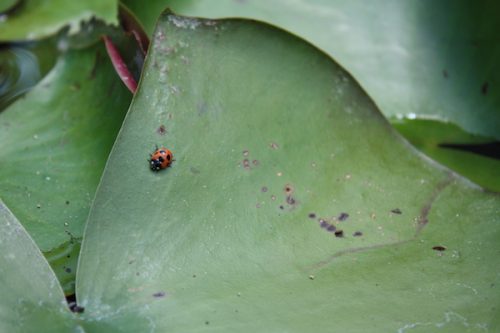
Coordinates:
<point>54,144</point>
<point>32,299</point>
<point>434,137</point>
<point>276,147</point>
<point>412,57</point>
<point>35,19</point>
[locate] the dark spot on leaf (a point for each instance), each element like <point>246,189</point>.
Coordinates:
<point>357,234</point>
<point>331,228</point>
<point>281,207</point>
<point>67,270</point>
<point>439,248</point>
<point>246,164</point>
<point>445,73</point>
<point>343,217</point>
<point>396,211</point>
<point>68,256</point>
<point>159,294</point>
<point>264,189</point>
<point>38,206</point>
<point>288,189</point>
<point>290,200</point>
<point>255,162</point>
<point>339,233</point>
<point>323,223</point>
<point>207,322</point>
<point>194,275</point>
<point>312,215</point>
<point>484,88</point>
<point>161,130</point>
<point>67,202</point>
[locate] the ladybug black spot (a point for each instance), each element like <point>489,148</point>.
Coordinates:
<point>168,157</point>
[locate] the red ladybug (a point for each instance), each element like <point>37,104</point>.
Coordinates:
<point>160,159</point>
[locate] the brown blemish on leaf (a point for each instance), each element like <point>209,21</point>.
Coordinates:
<point>339,233</point>
<point>161,130</point>
<point>264,189</point>
<point>357,234</point>
<point>396,211</point>
<point>274,145</point>
<point>246,164</point>
<point>291,200</point>
<point>312,215</point>
<point>255,162</point>
<point>439,248</point>
<point>288,189</point>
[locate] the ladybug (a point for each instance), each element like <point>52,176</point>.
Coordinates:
<point>160,159</point>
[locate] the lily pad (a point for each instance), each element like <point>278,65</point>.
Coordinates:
<point>35,19</point>
<point>32,299</point>
<point>292,205</point>
<point>55,142</point>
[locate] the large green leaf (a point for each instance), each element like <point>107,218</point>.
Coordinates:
<point>35,19</point>
<point>276,147</point>
<point>32,299</point>
<point>54,143</point>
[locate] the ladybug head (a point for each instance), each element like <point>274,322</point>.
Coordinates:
<point>155,164</point>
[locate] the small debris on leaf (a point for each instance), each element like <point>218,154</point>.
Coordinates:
<point>343,217</point>
<point>159,294</point>
<point>339,233</point>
